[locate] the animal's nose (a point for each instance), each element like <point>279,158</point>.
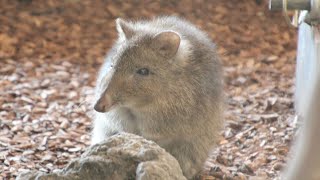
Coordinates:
<point>104,104</point>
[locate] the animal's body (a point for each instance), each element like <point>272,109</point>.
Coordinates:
<point>162,80</point>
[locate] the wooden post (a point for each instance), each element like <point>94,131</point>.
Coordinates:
<point>292,4</point>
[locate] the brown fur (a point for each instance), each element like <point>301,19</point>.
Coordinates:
<point>178,105</point>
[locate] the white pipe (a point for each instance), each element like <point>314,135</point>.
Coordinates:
<point>305,164</point>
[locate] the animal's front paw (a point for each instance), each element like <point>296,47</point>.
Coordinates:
<point>189,170</point>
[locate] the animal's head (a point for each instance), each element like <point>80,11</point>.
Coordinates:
<point>143,67</point>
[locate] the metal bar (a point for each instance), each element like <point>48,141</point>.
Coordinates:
<point>313,17</point>
<point>275,5</point>
<point>305,163</point>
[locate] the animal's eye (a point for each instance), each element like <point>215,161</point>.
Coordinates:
<point>143,71</point>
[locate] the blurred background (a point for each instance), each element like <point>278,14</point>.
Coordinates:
<point>50,52</point>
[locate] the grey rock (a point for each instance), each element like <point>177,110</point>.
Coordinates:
<point>122,156</point>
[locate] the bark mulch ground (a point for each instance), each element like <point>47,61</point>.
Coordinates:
<point>51,50</point>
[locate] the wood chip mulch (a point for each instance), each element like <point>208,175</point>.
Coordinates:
<point>51,50</point>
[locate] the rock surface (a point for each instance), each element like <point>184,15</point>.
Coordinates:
<point>122,156</point>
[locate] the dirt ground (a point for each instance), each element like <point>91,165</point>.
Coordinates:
<point>50,52</point>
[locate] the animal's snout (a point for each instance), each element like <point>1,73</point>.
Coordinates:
<point>104,104</point>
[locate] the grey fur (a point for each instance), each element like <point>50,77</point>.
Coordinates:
<point>178,105</point>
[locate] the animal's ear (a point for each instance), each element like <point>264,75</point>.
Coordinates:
<point>124,28</point>
<point>166,43</point>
